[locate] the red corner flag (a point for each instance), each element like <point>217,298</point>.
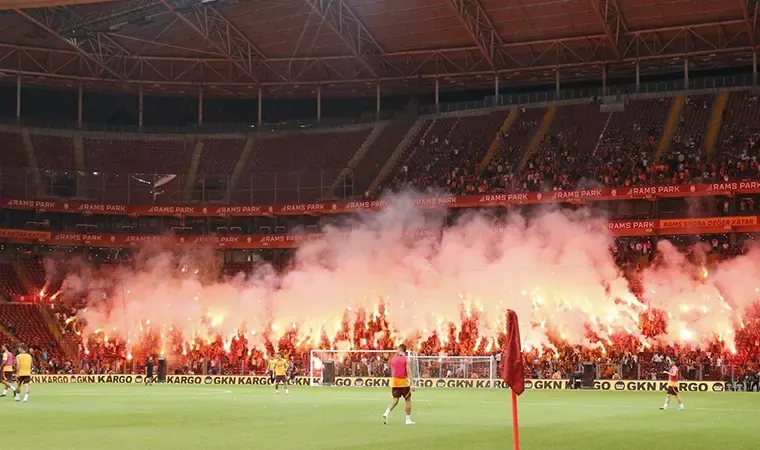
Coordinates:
<point>512,371</point>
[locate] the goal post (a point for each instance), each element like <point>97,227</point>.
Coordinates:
<point>336,367</point>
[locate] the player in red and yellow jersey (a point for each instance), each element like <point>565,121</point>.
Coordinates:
<point>7,362</point>
<point>278,366</point>
<point>23,372</point>
<point>672,385</point>
<point>400,385</point>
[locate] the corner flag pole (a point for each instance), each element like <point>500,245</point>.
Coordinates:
<point>512,370</point>
<point>515,427</point>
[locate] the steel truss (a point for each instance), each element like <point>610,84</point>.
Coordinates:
<point>615,29</point>
<point>225,37</point>
<point>102,56</point>
<point>749,14</point>
<point>224,71</point>
<point>481,30</point>
<point>355,36</point>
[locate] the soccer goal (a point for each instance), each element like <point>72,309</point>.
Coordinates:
<point>334,367</point>
<point>437,370</point>
<point>368,367</point>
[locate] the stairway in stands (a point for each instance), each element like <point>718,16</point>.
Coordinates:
<point>31,157</point>
<point>716,120</point>
<point>339,188</point>
<point>494,147</point>
<point>237,172</point>
<point>385,152</point>
<point>192,171</point>
<point>671,126</point>
<point>543,128</point>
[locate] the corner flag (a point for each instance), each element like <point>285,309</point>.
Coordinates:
<point>512,371</point>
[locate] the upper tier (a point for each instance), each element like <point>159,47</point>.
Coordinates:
<point>668,140</point>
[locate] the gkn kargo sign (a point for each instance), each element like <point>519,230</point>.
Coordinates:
<point>87,379</point>
<point>374,382</point>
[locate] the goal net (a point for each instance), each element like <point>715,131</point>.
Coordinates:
<point>362,368</point>
<point>438,371</point>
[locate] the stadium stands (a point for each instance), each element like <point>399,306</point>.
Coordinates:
<point>523,149</point>
<point>298,166</point>
<point>220,156</point>
<point>560,160</point>
<point>54,151</point>
<point>10,284</point>
<point>26,323</point>
<point>446,153</point>
<point>463,152</point>
<point>738,141</point>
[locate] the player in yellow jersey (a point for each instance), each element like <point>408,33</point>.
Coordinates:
<point>278,366</point>
<point>7,362</point>
<point>23,372</point>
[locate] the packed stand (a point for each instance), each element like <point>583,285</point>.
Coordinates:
<point>500,173</point>
<point>447,154</point>
<point>685,161</point>
<point>559,161</point>
<point>738,145</point>
<point>628,145</point>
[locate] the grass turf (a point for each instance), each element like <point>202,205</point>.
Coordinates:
<point>88,416</point>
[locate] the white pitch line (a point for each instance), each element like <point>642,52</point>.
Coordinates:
<point>130,394</point>
<point>551,405</point>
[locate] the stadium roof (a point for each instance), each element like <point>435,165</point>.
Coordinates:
<point>289,47</point>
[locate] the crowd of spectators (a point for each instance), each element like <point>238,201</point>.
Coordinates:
<point>585,148</point>
<point>624,358</point>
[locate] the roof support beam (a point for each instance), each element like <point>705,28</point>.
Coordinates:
<point>211,24</point>
<point>722,38</point>
<point>353,33</point>
<point>749,14</point>
<point>481,30</point>
<point>97,48</point>
<point>615,29</point>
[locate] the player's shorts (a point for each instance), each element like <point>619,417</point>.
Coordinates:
<point>280,379</point>
<point>7,375</point>
<point>405,392</point>
<point>672,390</point>
<point>24,380</point>
<point>149,374</point>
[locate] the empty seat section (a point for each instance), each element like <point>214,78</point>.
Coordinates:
<point>296,167</point>
<point>131,168</point>
<point>16,180</point>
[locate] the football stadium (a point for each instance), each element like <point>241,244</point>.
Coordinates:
<point>372,224</point>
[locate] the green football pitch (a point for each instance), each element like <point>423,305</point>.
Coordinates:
<point>112,417</point>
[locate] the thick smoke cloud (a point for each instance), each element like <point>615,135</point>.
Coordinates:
<point>556,270</point>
